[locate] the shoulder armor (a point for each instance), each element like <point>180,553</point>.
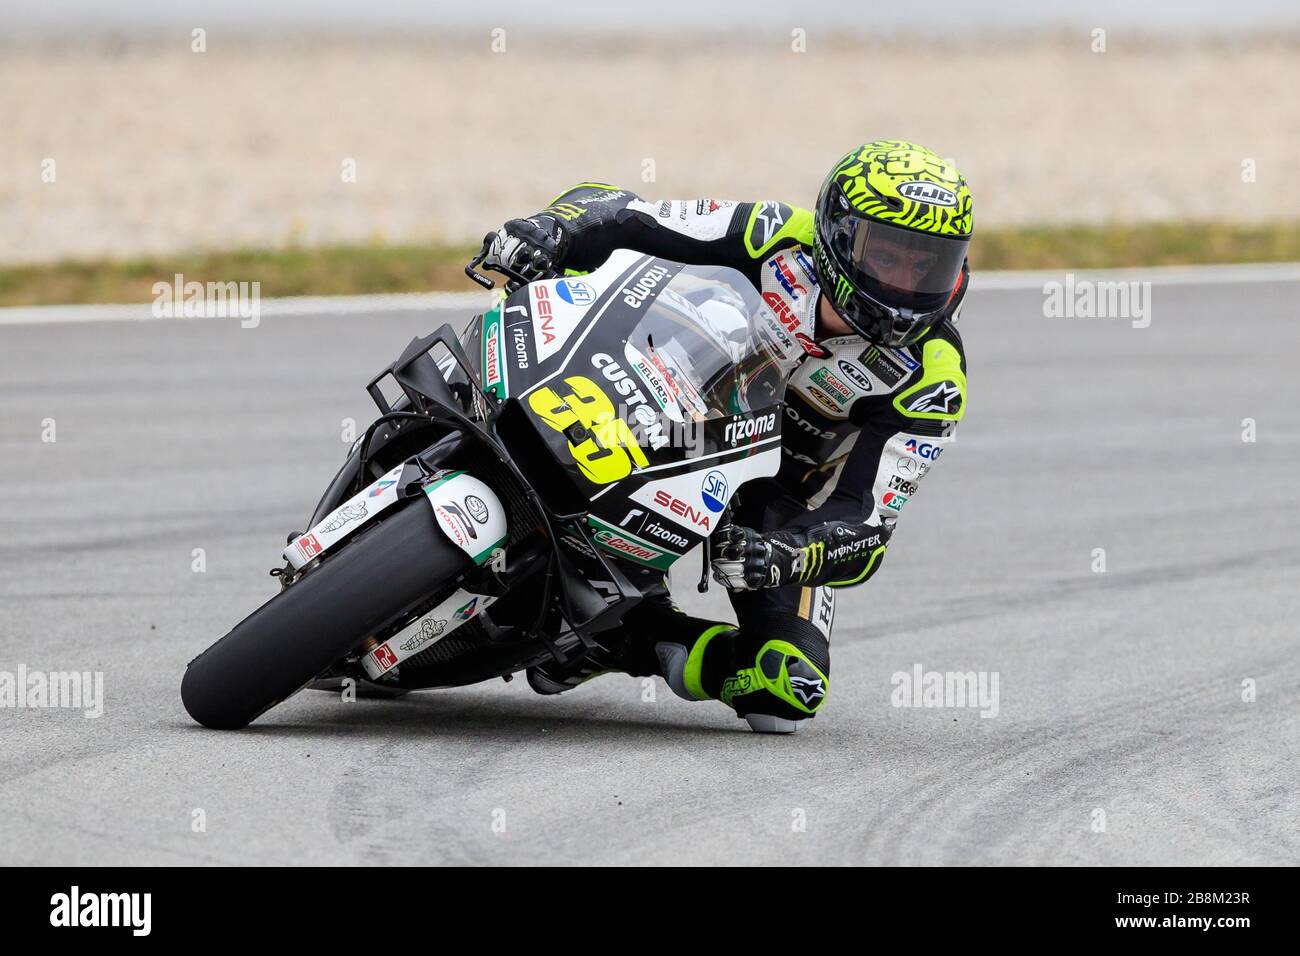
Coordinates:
<point>773,224</point>
<point>940,393</point>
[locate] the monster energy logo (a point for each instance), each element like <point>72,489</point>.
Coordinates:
<point>566,210</point>
<point>842,290</point>
<point>813,558</point>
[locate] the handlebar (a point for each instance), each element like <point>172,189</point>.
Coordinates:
<point>515,279</point>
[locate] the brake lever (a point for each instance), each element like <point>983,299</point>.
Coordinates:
<point>703,586</point>
<point>706,551</point>
<point>516,279</point>
<point>478,277</point>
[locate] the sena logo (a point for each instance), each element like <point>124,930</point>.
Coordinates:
<point>680,508</point>
<point>521,346</point>
<point>546,321</point>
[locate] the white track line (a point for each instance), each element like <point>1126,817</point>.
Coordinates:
<point>430,301</point>
<point>1157,275</point>
<point>267,308</point>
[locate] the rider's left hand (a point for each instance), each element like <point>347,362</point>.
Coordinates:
<point>746,560</point>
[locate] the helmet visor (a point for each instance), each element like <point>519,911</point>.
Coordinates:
<point>898,267</point>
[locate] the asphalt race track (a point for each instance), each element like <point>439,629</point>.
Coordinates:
<point>1146,714</point>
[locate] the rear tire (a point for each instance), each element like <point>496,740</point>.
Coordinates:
<point>276,650</point>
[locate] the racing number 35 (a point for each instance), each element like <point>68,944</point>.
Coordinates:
<point>599,440</point>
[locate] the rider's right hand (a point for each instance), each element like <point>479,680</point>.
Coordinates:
<point>534,248</point>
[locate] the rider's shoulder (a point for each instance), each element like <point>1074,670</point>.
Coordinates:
<point>934,394</point>
<point>767,226</point>
<point>945,332</point>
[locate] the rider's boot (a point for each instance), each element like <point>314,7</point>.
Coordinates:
<point>771,683</point>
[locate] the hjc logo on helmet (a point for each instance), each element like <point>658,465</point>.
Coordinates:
<point>932,193</point>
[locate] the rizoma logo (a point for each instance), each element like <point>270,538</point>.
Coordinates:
<point>642,289</point>
<point>749,428</point>
<point>786,278</point>
<point>521,346</point>
<point>923,449</point>
<point>806,425</point>
<point>653,529</point>
<point>932,193</point>
<point>545,320</point>
<point>678,507</point>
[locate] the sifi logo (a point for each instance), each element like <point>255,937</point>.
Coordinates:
<point>714,491</point>
<point>575,292</point>
<point>923,449</point>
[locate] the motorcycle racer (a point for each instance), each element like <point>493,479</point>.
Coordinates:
<point>870,283</point>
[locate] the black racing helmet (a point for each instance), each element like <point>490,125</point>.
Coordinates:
<point>893,223</point>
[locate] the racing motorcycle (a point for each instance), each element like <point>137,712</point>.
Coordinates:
<point>582,434</point>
